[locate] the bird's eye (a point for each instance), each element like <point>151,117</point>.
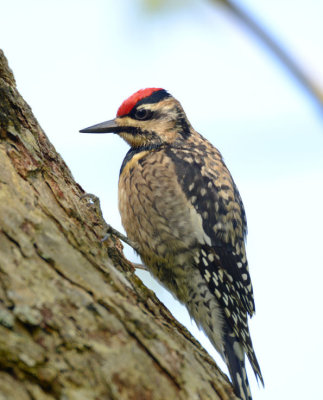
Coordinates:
<point>142,114</point>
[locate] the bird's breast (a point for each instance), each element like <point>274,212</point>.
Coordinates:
<point>154,209</point>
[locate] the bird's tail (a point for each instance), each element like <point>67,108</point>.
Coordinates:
<point>235,360</point>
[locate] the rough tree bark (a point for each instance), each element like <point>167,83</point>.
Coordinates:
<point>75,321</point>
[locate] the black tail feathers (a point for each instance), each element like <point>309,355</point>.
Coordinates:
<point>235,360</point>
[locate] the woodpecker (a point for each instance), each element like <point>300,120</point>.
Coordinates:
<point>182,211</point>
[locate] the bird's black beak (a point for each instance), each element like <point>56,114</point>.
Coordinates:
<point>104,127</point>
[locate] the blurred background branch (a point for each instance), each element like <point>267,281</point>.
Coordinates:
<point>265,37</point>
<point>277,49</point>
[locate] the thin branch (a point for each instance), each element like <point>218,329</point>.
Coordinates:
<point>310,85</point>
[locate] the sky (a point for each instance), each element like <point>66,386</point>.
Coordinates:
<point>76,61</point>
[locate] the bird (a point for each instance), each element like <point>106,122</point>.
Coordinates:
<point>184,215</point>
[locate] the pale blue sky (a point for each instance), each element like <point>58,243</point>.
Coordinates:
<point>76,61</point>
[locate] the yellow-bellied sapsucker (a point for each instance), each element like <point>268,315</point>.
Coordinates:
<point>181,208</point>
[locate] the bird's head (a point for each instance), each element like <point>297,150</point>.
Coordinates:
<point>149,117</point>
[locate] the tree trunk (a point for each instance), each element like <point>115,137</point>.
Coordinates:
<point>75,321</point>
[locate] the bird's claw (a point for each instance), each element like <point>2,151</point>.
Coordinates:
<point>121,236</point>
<point>92,198</point>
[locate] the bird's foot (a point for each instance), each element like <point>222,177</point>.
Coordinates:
<point>140,266</point>
<point>125,239</point>
<point>95,201</point>
<point>111,231</point>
